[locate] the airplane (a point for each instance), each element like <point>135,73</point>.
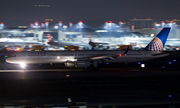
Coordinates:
<point>97,44</point>
<point>86,45</point>
<point>7,42</point>
<point>63,43</point>
<point>90,58</point>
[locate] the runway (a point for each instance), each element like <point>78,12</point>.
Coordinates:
<point>134,86</point>
<point>113,84</point>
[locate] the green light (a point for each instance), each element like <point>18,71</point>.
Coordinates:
<point>5,56</point>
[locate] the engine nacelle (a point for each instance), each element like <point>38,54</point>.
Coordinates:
<point>83,63</point>
<point>80,63</point>
<point>70,64</point>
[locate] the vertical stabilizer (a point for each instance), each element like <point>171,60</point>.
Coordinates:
<point>89,36</point>
<point>157,44</point>
<point>49,38</point>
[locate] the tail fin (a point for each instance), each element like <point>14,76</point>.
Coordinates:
<point>89,36</point>
<point>49,38</point>
<point>157,44</point>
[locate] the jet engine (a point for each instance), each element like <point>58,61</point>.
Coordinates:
<point>70,64</point>
<point>80,63</point>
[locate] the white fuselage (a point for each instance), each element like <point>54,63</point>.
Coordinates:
<point>63,56</point>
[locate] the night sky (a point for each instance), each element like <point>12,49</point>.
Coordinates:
<point>91,12</point>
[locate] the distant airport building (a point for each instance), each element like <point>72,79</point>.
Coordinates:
<point>141,23</point>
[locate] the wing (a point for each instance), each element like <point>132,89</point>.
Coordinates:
<point>104,58</point>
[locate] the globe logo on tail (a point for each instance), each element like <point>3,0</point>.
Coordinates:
<point>155,45</point>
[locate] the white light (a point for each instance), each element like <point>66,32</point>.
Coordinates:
<point>58,57</point>
<point>157,25</point>
<point>67,76</point>
<point>177,48</point>
<point>64,27</point>
<point>23,65</point>
<point>152,35</point>
<point>69,99</point>
<point>56,27</point>
<point>170,24</point>
<point>142,65</point>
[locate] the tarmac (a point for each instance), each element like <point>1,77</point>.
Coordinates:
<point>113,84</point>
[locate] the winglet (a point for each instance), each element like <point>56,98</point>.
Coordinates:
<point>126,51</point>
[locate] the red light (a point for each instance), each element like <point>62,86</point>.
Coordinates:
<point>120,55</point>
<point>2,23</point>
<point>120,22</point>
<point>110,21</point>
<point>47,22</point>
<point>70,22</point>
<point>171,21</point>
<point>49,37</point>
<point>106,22</point>
<point>132,27</point>
<point>162,21</point>
<point>153,28</point>
<point>7,48</point>
<point>80,21</point>
<point>18,49</point>
<point>60,21</point>
<point>36,22</point>
<point>31,24</point>
<point>89,36</point>
<point>42,23</point>
<point>134,18</point>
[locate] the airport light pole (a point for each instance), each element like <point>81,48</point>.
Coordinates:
<point>80,27</point>
<point>60,25</point>
<point>110,27</point>
<point>46,24</point>
<point>70,26</point>
<point>120,24</point>
<point>162,24</point>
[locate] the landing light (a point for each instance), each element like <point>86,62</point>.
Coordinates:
<point>23,65</point>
